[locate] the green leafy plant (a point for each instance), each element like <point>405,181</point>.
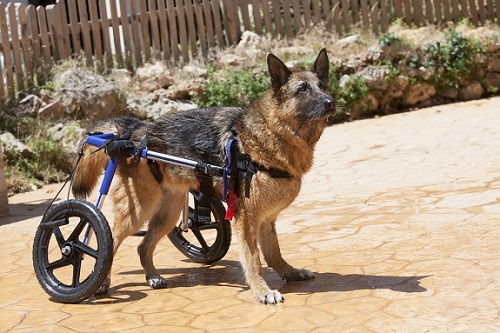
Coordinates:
<point>354,91</point>
<point>454,60</point>
<point>231,88</point>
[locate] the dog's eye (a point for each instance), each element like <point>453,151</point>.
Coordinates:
<point>303,87</point>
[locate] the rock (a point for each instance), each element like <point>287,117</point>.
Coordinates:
<point>421,36</point>
<point>144,107</point>
<point>231,60</point>
<point>397,88</point>
<point>186,89</point>
<point>494,65</point>
<point>87,95</point>
<point>122,77</point>
<point>374,76</point>
<point>448,93</point>
<point>493,80</point>
<point>195,71</point>
<point>343,80</point>
<point>29,106</point>
<point>54,110</point>
<point>471,91</point>
<point>70,135</point>
<point>394,90</point>
<point>369,104</point>
<point>249,40</point>
<point>374,53</point>
<point>295,65</point>
<point>154,76</point>
<point>10,142</point>
<point>353,64</point>
<point>347,41</point>
<point>418,93</point>
<point>292,51</point>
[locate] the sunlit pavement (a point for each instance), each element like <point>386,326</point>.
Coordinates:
<point>399,219</point>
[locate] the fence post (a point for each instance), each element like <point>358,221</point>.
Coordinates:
<point>4,204</point>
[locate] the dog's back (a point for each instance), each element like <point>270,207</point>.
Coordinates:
<point>92,162</point>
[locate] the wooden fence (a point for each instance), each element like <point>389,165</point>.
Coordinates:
<point>125,34</point>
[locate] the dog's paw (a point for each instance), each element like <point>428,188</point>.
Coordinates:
<point>104,288</point>
<point>299,275</point>
<point>157,282</point>
<point>272,297</point>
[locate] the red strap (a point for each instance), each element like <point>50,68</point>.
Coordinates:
<point>231,204</point>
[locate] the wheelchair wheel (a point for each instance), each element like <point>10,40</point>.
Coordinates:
<point>72,251</point>
<point>204,243</point>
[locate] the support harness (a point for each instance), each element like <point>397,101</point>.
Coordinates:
<point>239,167</point>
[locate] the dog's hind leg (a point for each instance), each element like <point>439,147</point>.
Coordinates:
<point>161,223</point>
<point>135,201</point>
<point>268,240</point>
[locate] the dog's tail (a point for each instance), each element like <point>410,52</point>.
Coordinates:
<point>93,161</point>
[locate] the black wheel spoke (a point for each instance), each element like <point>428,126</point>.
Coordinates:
<point>84,248</point>
<point>208,226</point>
<point>63,262</point>
<point>77,265</point>
<point>78,230</point>
<point>59,237</point>
<point>200,239</point>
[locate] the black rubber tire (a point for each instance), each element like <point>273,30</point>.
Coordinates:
<point>64,226</point>
<point>204,253</point>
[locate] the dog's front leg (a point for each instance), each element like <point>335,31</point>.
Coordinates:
<point>268,240</point>
<point>247,230</point>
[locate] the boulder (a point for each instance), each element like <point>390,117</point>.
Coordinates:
<point>473,90</point>
<point>186,89</point>
<point>69,135</point>
<point>374,76</point>
<point>195,71</point>
<point>54,110</point>
<point>232,60</point>
<point>418,93</point>
<point>152,107</point>
<point>493,80</point>
<point>347,41</point>
<point>154,76</point>
<point>87,95</point>
<point>368,105</point>
<point>29,106</point>
<point>10,142</point>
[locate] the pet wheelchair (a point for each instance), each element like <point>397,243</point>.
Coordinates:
<point>73,245</point>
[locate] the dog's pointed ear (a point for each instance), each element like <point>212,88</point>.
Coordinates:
<point>278,72</point>
<point>321,67</point>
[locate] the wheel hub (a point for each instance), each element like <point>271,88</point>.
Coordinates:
<point>67,250</point>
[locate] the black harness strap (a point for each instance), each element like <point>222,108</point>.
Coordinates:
<point>203,204</point>
<point>154,167</point>
<point>244,168</point>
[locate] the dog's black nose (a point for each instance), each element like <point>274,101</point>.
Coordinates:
<point>329,103</point>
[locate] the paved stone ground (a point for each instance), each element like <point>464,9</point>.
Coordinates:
<point>399,220</point>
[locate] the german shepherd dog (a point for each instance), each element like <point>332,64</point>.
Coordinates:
<point>277,131</point>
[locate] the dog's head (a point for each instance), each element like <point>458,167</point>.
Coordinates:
<point>304,93</point>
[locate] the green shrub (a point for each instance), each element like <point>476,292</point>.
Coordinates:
<point>354,91</point>
<point>231,88</point>
<point>454,60</point>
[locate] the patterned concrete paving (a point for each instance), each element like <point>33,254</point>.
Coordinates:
<point>399,220</point>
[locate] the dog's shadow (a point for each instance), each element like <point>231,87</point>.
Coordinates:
<point>229,273</point>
